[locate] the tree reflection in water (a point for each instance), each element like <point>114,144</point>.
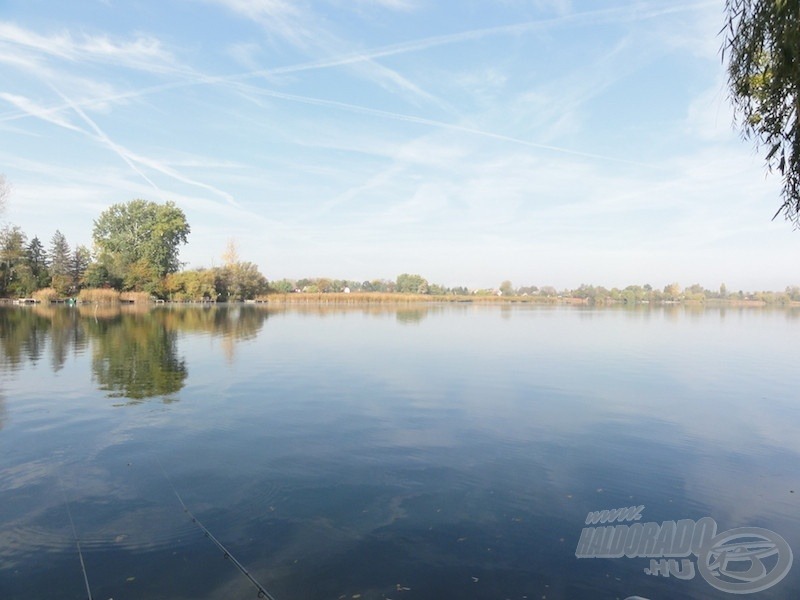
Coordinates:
<point>134,356</point>
<point>134,350</point>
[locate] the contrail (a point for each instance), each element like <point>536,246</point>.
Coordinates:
<point>441,125</point>
<point>106,140</point>
<point>130,158</point>
<point>639,12</point>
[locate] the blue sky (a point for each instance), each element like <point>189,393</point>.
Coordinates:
<point>549,142</point>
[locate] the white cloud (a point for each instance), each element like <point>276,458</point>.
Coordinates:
<point>143,52</point>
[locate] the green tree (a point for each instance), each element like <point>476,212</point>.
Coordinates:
<point>412,284</point>
<point>143,237</point>
<point>59,267</point>
<point>284,286</point>
<point>762,45</point>
<point>672,291</point>
<point>97,275</point>
<point>16,278</point>
<point>37,260</point>
<point>325,285</point>
<point>506,288</point>
<point>240,281</point>
<point>80,260</point>
<point>196,285</point>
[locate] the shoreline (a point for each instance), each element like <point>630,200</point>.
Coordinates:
<point>373,298</point>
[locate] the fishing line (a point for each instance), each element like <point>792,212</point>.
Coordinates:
<point>77,541</point>
<point>262,592</point>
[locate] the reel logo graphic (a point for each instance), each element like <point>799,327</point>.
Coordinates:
<point>744,560</point>
<point>734,562</point>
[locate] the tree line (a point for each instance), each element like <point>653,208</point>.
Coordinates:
<point>633,294</point>
<point>135,248</point>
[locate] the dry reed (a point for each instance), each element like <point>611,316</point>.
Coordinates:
<point>45,295</point>
<point>98,296</point>
<point>391,298</point>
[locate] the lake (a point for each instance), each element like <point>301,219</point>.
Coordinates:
<point>408,453</point>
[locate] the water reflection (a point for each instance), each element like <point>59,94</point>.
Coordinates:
<point>136,358</point>
<point>134,350</point>
<point>344,453</point>
<point>21,337</point>
<point>411,315</point>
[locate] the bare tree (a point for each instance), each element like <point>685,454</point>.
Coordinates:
<point>5,192</point>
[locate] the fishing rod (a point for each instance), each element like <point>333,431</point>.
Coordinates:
<point>262,592</point>
<point>77,541</point>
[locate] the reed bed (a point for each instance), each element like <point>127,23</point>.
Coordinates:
<point>46,295</point>
<point>342,298</point>
<point>391,298</point>
<point>98,296</point>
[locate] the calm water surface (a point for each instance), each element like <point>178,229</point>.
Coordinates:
<point>414,454</point>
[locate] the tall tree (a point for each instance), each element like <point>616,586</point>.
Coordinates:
<point>37,259</point>
<point>59,268</point>
<point>15,273</point>
<point>140,234</point>
<point>79,263</point>
<point>762,46</point>
<point>231,255</point>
